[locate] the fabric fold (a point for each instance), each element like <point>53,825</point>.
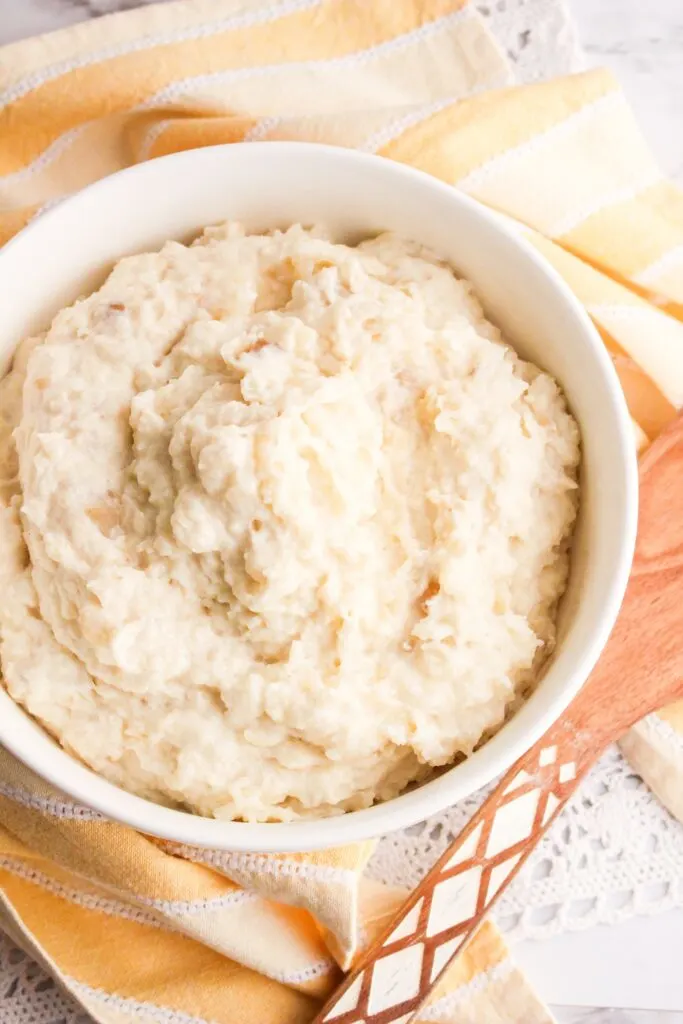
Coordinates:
<point>140,930</point>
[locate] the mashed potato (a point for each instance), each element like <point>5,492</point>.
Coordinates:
<point>284,523</point>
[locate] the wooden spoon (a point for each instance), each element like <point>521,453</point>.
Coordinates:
<point>641,669</point>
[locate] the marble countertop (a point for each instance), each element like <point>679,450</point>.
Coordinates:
<point>643,44</point>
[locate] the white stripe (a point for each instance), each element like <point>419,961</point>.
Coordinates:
<point>255,133</point>
<point>316,970</point>
<point>165,1016</point>
<point>51,203</point>
<point>118,908</point>
<point>262,127</point>
<point>602,106</point>
<point>662,731</point>
<point>400,124</point>
<point>258,131</point>
<point>150,137</point>
<point>609,197</point>
<point>132,1008</point>
<point>183,86</point>
<point>47,157</point>
<point>259,863</point>
<point>113,908</point>
<point>671,261</point>
<point>444,1008</point>
<point>246,19</point>
<point>199,906</point>
<point>50,805</point>
<point>652,338</point>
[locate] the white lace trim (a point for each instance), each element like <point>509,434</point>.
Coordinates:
<point>261,128</point>
<point>596,108</point>
<point>610,197</point>
<point>315,970</point>
<point>351,60</point>
<point>403,122</point>
<point>614,852</point>
<point>197,82</point>
<point>668,263</point>
<point>119,908</point>
<point>260,863</point>
<point>50,805</point>
<point>47,157</point>
<point>28,995</point>
<point>112,908</point>
<point>134,1006</point>
<point>245,19</point>
<point>442,1010</point>
<point>399,124</point>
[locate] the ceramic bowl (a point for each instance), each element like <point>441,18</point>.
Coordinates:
<point>68,250</point>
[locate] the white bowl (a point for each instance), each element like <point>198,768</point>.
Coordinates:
<point>67,251</point>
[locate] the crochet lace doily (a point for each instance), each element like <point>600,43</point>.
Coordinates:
<point>539,37</point>
<point>615,851</point>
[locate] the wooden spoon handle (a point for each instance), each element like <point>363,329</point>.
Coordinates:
<point>640,670</point>
<point>398,972</point>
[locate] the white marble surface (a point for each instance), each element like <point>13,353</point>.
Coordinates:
<point>643,43</point>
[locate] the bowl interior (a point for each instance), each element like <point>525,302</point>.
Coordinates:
<point>67,253</point>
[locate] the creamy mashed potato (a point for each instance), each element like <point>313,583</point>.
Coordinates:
<point>284,523</point>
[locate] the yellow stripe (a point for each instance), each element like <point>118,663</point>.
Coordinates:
<point>647,402</point>
<point>410,68</point>
<point>192,133</point>
<point>331,129</point>
<point>590,286</point>
<point>455,141</point>
<point>98,150</point>
<point>629,236</point>
<point>424,70</point>
<point>484,951</point>
<point>112,854</point>
<point>11,223</point>
<point>673,714</point>
<point>653,339</point>
<point>137,961</point>
<point>295,952</point>
<point>516,181</point>
<point>83,41</point>
<point>647,405</point>
<point>31,124</point>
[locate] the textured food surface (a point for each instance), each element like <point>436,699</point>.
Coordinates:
<point>284,523</point>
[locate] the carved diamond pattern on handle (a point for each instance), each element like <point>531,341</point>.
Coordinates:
<point>395,977</point>
<point>640,670</point>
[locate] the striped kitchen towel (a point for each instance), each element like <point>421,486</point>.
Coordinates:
<point>143,931</point>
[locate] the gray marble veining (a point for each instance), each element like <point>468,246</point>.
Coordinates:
<point>643,44</point>
<point>641,41</point>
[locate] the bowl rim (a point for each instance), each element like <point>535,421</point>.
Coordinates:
<point>461,780</point>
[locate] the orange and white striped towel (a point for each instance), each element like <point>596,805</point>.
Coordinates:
<point>142,931</point>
